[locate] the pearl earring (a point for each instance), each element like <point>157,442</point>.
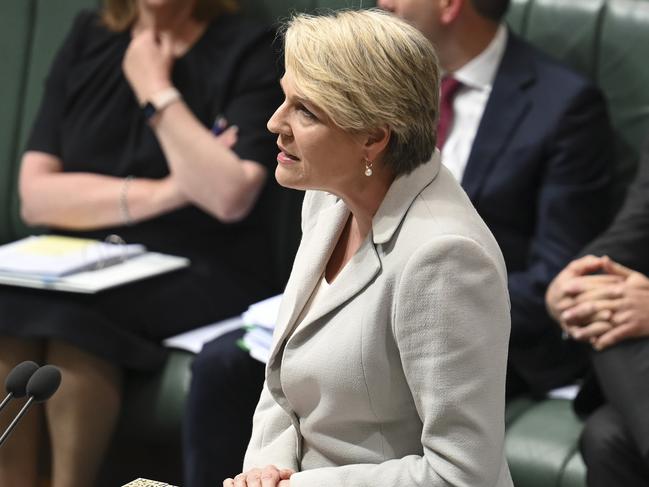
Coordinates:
<point>368,168</point>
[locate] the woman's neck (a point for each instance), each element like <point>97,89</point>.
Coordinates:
<point>364,202</point>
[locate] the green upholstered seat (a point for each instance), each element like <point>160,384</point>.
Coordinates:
<point>15,37</point>
<point>540,441</point>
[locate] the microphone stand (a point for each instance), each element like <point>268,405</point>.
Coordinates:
<point>4,402</point>
<point>13,424</point>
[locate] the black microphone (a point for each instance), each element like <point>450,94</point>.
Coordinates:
<point>16,381</point>
<point>40,387</point>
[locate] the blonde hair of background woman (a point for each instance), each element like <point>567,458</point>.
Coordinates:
<point>368,69</point>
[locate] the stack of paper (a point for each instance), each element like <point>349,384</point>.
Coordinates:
<point>260,322</point>
<point>146,483</point>
<point>79,265</point>
<point>56,256</point>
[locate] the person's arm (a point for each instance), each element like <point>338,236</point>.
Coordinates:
<point>51,197</point>
<point>572,207</point>
<point>273,440</point>
<point>627,238</point>
<point>57,199</point>
<point>211,175</point>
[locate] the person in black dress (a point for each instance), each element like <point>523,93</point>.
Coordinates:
<point>97,163</point>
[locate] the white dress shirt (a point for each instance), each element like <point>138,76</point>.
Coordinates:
<point>477,77</point>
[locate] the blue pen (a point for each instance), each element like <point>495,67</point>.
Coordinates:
<point>220,124</point>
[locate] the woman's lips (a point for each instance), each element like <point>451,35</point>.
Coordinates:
<point>285,158</point>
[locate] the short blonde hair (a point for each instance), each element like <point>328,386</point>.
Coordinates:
<point>367,69</point>
<point>119,15</point>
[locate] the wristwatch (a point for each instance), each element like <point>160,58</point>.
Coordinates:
<point>159,101</point>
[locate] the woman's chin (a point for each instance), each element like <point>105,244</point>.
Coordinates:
<point>288,176</point>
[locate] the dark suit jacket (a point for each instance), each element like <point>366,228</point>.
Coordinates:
<point>627,242</point>
<point>627,239</point>
<point>539,174</point>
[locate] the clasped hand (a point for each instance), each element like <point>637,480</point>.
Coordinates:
<point>604,308</point>
<point>269,476</point>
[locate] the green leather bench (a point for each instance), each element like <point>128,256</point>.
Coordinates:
<point>608,40</point>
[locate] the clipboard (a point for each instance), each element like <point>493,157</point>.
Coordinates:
<point>134,269</point>
<point>80,265</point>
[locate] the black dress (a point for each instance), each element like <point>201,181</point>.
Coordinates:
<point>90,119</point>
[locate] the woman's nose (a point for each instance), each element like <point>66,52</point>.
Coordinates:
<point>277,124</point>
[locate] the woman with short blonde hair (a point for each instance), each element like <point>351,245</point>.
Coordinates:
<point>351,67</point>
<point>388,360</point>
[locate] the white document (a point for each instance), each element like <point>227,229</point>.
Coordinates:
<point>90,282</point>
<point>264,313</point>
<point>56,256</point>
<point>565,392</point>
<point>193,340</point>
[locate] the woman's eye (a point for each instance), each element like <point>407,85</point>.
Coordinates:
<point>306,112</point>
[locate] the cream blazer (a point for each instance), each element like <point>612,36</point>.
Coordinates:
<point>397,376</point>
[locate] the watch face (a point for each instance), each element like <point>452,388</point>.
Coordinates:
<point>148,110</point>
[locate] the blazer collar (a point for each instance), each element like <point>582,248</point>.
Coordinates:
<point>310,261</point>
<point>505,108</point>
<point>400,196</point>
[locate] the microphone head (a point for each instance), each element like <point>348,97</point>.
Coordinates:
<point>44,383</point>
<point>16,381</point>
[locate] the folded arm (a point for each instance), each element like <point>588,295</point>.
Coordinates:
<point>85,201</point>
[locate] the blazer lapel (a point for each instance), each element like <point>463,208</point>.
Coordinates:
<point>355,276</point>
<point>505,108</point>
<point>365,265</point>
<point>309,264</point>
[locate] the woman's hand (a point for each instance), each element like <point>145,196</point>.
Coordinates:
<point>147,63</point>
<point>269,476</point>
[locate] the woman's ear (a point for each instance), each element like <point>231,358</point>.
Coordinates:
<point>376,142</point>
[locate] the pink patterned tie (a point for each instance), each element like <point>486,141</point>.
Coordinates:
<point>450,86</point>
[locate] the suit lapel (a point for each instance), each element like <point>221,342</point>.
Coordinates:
<point>355,276</point>
<point>310,261</point>
<point>507,105</point>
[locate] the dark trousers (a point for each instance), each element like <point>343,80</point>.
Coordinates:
<point>615,440</point>
<point>225,388</point>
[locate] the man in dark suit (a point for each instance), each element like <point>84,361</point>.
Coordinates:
<point>599,300</point>
<point>529,140</point>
